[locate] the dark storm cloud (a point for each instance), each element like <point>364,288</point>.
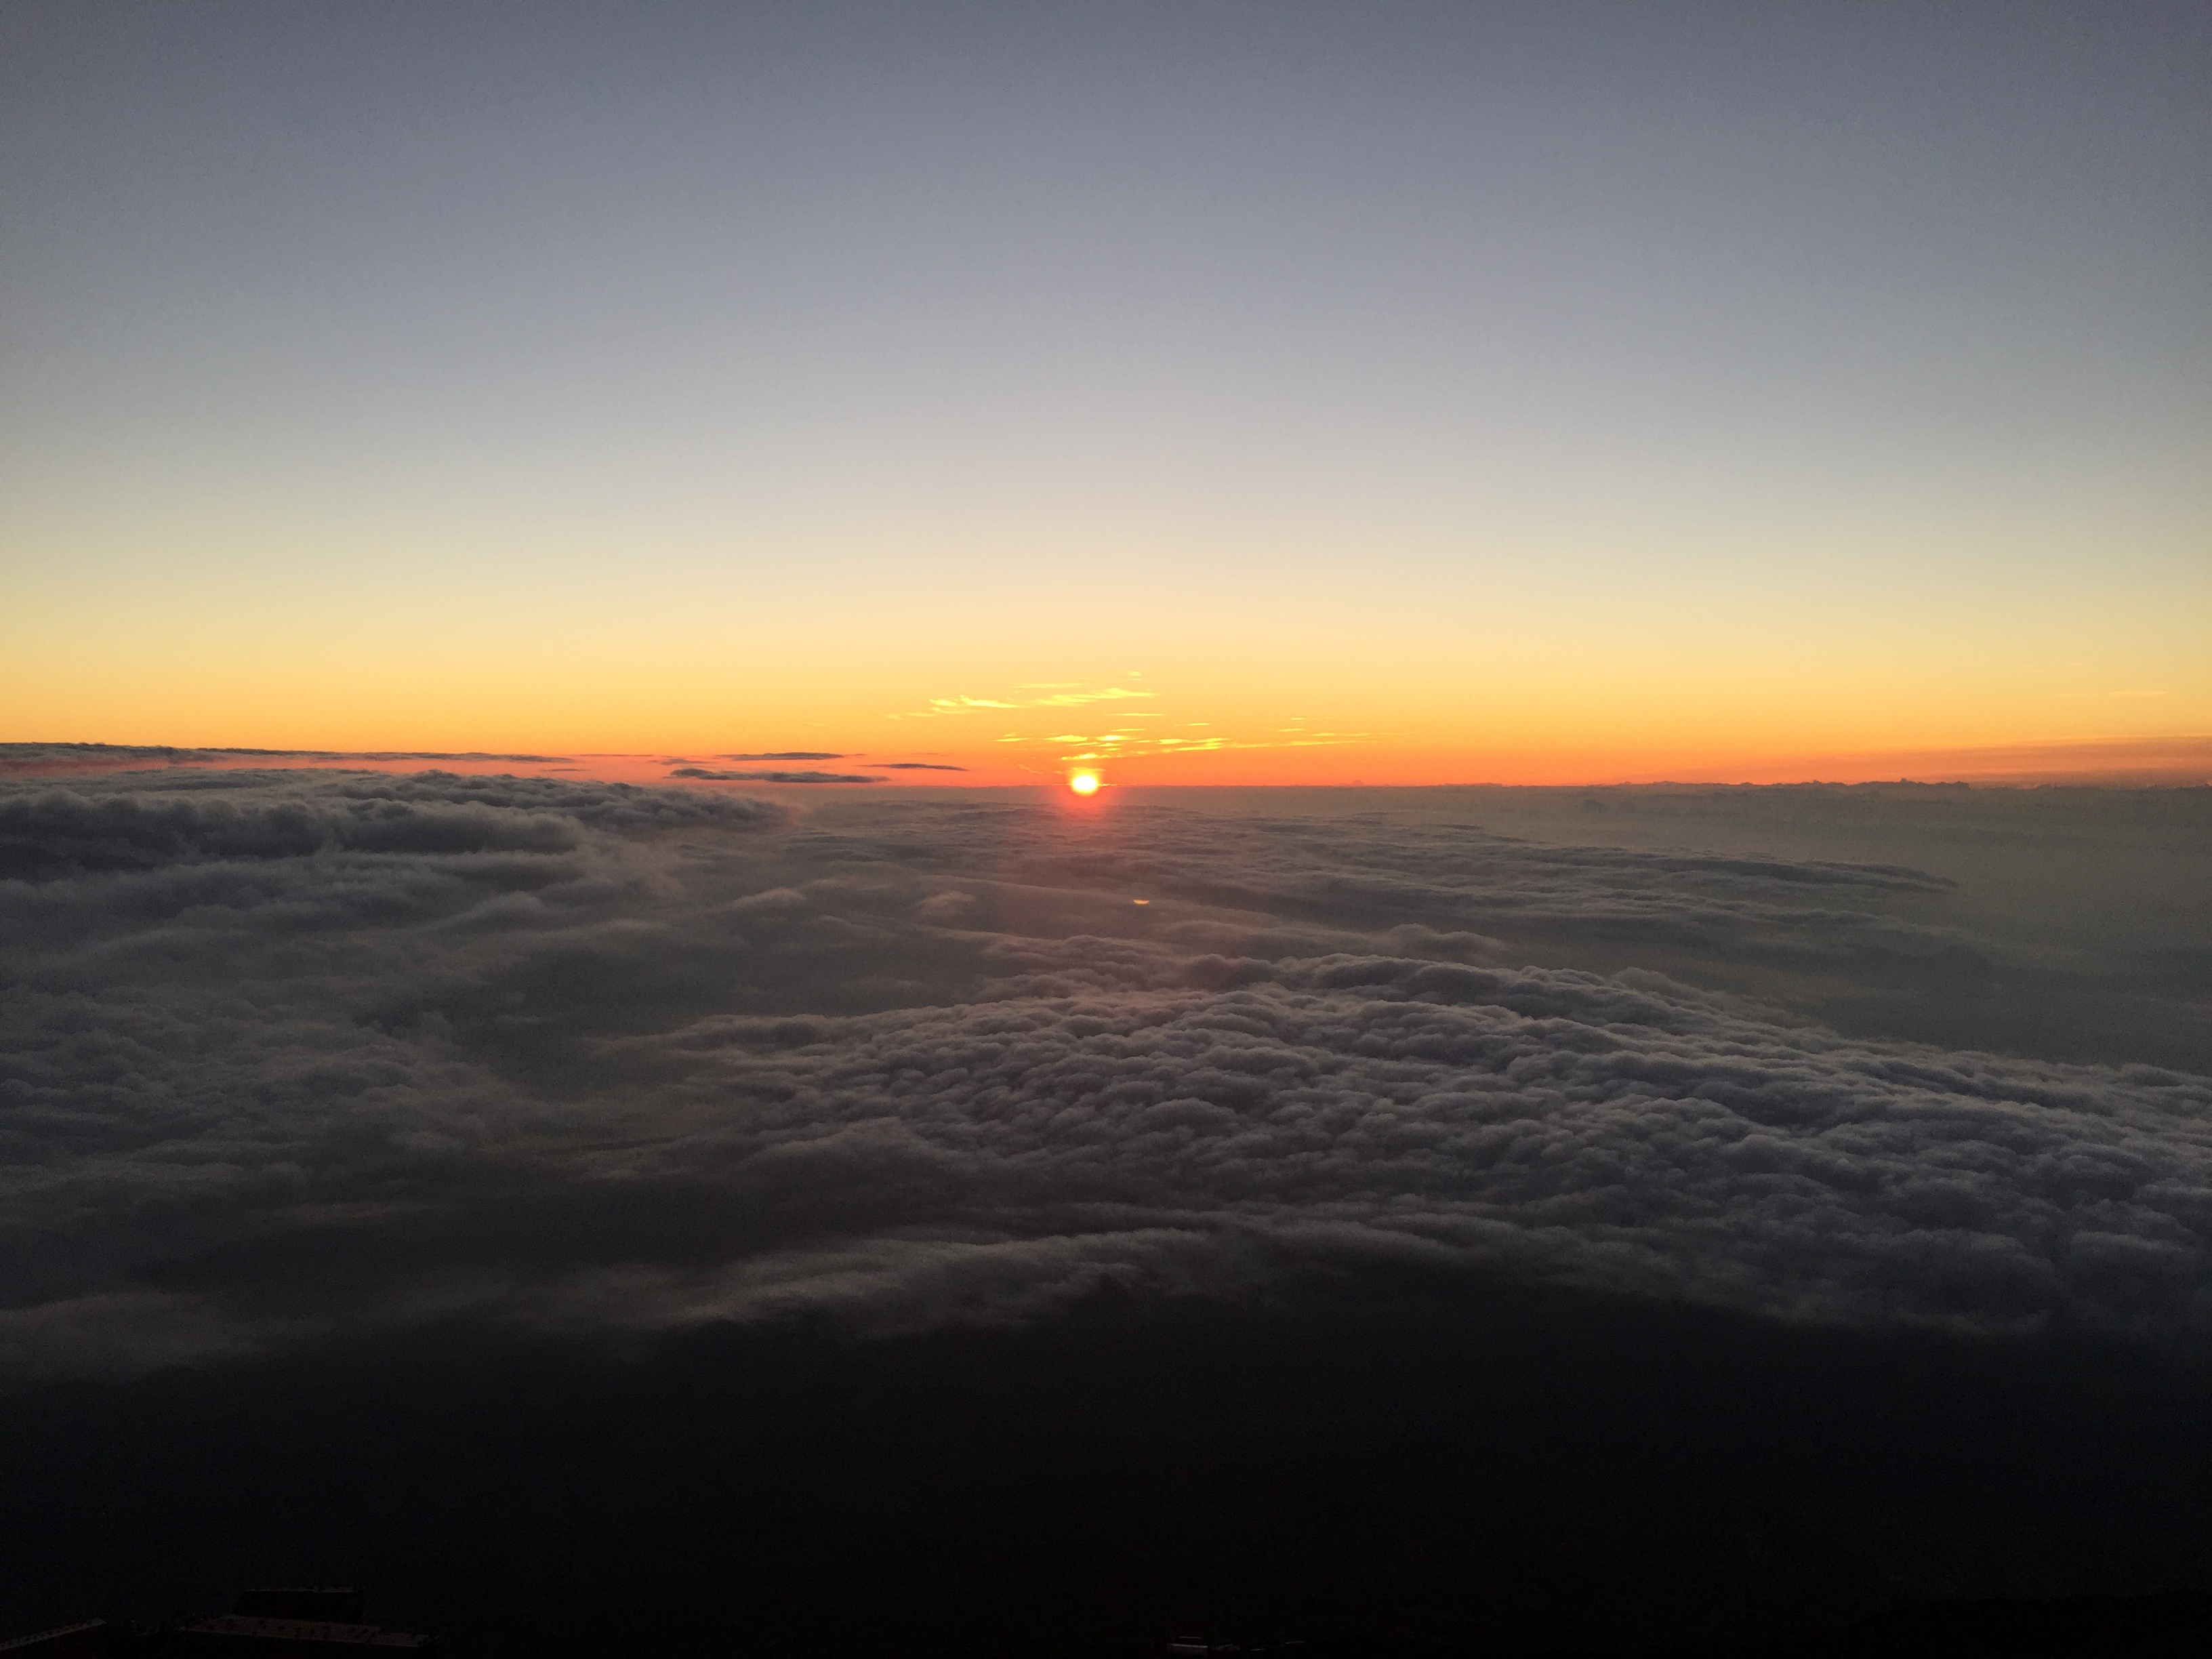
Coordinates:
<point>287,1056</point>
<point>920,766</point>
<point>771,777</point>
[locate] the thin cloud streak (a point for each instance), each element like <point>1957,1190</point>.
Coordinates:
<point>703,774</point>
<point>1071,698</point>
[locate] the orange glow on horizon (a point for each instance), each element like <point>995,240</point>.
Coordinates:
<point>2180,762</point>
<point>903,725</point>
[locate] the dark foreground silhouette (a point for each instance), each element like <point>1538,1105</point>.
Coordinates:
<point>311,1624</point>
<point>1481,1470</point>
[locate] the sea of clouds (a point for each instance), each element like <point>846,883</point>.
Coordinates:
<point>292,1056</point>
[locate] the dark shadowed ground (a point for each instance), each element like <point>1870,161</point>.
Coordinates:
<point>1399,1453</point>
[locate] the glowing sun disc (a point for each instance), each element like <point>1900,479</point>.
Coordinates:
<point>1083,783</point>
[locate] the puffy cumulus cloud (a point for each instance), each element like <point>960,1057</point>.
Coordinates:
<point>285,1055</point>
<point>256,854</point>
<point>1630,1136</point>
<point>265,816</point>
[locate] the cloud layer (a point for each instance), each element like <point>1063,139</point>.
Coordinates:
<point>287,1055</point>
<point>48,757</point>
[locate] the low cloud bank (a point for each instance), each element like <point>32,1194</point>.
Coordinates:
<point>48,756</point>
<point>291,1056</point>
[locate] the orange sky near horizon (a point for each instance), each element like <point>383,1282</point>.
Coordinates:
<point>1298,685</point>
<point>1131,729</point>
<point>1287,699</point>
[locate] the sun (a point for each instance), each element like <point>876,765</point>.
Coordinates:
<point>1083,783</point>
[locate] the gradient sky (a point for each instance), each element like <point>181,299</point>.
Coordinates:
<point>1404,392</point>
